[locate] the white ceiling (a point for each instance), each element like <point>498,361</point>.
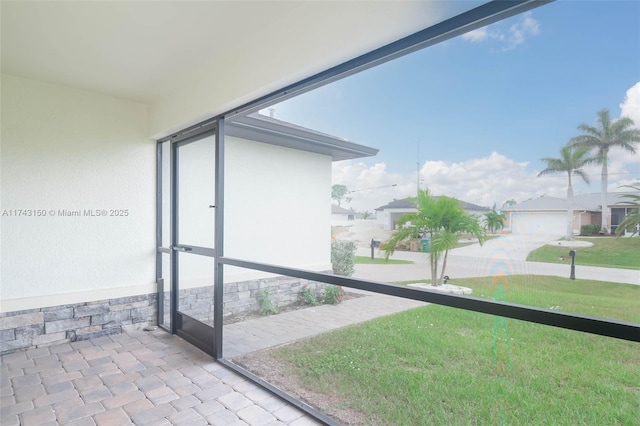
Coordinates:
<point>158,52</point>
<point>126,49</point>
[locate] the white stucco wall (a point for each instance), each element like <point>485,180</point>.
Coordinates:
<point>72,150</point>
<point>277,206</point>
<point>69,149</point>
<point>386,217</point>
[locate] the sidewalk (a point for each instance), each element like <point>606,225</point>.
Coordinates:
<point>261,333</point>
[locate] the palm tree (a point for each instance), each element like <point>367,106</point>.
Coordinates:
<point>610,134</point>
<point>494,220</point>
<point>632,219</point>
<point>366,214</point>
<point>570,162</point>
<point>440,219</point>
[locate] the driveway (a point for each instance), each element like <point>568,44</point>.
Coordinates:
<point>509,246</point>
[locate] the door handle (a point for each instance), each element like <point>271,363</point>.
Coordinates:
<point>182,248</point>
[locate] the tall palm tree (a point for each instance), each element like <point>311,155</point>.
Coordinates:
<point>570,162</point>
<point>609,134</point>
<point>441,220</point>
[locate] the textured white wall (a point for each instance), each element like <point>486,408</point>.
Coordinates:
<point>72,150</point>
<point>277,206</point>
<point>64,148</point>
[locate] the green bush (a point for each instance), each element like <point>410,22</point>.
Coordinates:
<point>307,297</point>
<point>342,257</point>
<point>266,304</point>
<point>333,295</point>
<point>588,230</point>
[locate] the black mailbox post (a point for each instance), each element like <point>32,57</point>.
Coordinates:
<point>374,244</point>
<point>572,253</point>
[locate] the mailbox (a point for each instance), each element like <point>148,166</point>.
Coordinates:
<point>572,253</point>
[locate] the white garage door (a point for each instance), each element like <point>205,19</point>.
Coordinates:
<point>539,223</point>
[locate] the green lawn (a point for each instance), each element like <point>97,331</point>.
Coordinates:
<point>438,365</point>
<point>366,260</point>
<point>607,251</point>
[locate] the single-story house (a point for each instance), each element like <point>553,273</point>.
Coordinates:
<point>389,214</point>
<point>548,215</point>
<point>340,215</point>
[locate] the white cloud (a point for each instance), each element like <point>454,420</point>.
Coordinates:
<point>631,105</point>
<point>481,181</point>
<point>624,167</point>
<point>510,38</point>
<point>476,36</point>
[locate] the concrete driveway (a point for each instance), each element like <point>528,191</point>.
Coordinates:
<point>508,246</point>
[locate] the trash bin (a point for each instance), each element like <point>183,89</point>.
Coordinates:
<point>424,245</point>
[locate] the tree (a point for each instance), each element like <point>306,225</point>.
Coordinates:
<point>609,134</point>
<point>339,193</point>
<point>494,220</point>
<point>366,214</point>
<point>441,220</point>
<point>632,220</point>
<point>570,162</point>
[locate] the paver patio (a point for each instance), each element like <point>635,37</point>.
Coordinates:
<point>141,378</point>
<point>154,378</point>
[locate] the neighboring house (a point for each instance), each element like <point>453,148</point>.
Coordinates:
<point>389,214</point>
<point>548,215</point>
<point>340,215</point>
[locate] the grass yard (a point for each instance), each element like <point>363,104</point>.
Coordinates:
<point>366,260</point>
<point>438,365</point>
<point>607,251</point>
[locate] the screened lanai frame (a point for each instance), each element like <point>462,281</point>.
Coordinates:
<point>478,17</point>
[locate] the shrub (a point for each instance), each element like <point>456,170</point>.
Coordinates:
<point>266,304</point>
<point>587,230</point>
<point>342,257</point>
<point>333,295</point>
<point>307,296</point>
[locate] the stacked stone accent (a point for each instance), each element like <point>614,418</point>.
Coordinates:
<point>240,297</point>
<point>81,321</point>
<point>243,296</point>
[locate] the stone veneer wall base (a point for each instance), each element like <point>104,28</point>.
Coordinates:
<point>79,321</point>
<point>82,321</point>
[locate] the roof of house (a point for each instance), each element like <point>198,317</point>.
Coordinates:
<point>407,203</point>
<point>270,130</point>
<point>589,202</point>
<point>336,209</point>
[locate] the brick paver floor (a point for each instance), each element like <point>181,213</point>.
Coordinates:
<point>154,378</point>
<point>135,378</point>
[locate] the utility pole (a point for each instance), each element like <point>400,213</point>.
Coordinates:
<point>417,168</point>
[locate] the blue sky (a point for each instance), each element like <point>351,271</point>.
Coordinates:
<point>482,109</point>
